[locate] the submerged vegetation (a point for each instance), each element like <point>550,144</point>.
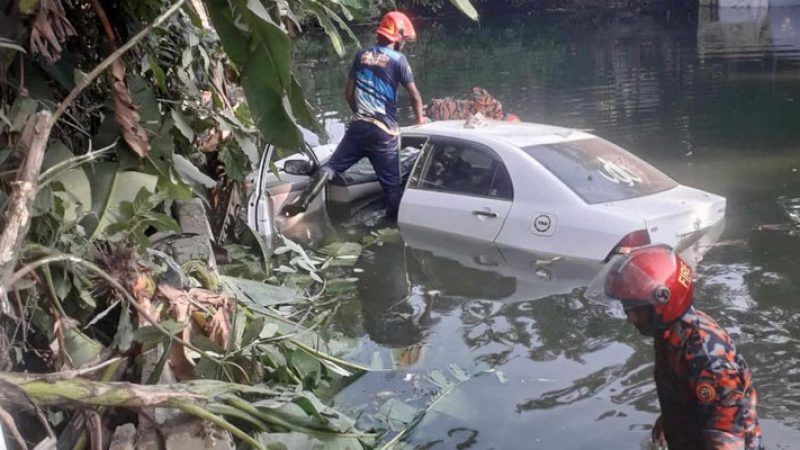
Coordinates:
<point>130,285</point>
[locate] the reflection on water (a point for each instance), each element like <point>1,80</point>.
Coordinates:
<point>710,97</point>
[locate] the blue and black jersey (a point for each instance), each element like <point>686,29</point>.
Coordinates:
<point>377,71</point>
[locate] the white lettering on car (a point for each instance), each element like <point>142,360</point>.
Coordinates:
<point>616,173</point>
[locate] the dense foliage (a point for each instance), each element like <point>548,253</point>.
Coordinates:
<point>139,112</point>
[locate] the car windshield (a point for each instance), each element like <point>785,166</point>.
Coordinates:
<point>599,171</point>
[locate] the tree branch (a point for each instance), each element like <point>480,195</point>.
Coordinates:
<point>24,187</point>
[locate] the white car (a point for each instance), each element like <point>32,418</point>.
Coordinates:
<point>525,186</point>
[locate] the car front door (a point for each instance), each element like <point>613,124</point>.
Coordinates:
<point>270,192</point>
<point>458,187</point>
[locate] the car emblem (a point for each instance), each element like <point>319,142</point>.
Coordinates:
<point>662,294</point>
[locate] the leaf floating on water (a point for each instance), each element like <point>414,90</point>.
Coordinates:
<point>396,414</point>
<point>458,372</point>
<point>439,379</point>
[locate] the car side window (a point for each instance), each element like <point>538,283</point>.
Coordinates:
<point>501,186</point>
<point>462,168</point>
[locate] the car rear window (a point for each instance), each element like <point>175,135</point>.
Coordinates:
<point>599,171</point>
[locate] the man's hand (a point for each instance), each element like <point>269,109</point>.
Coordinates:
<point>657,434</point>
<point>416,103</point>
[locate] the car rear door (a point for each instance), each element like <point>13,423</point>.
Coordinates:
<point>458,187</point>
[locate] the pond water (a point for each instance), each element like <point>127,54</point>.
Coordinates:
<point>710,97</point>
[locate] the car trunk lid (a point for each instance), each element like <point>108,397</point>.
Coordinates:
<point>674,216</point>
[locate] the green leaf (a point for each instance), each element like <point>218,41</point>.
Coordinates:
<point>263,52</point>
<point>207,345</point>
<point>439,379</point>
<point>249,148</point>
<point>27,6</point>
<point>267,107</point>
<point>458,372</point>
<point>182,124</point>
<point>344,250</point>
<point>335,17</point>
<point>146,103</point>
<point>325,414</point>
<point>80,348</point>
<point>158,74</point>
<point>21,110</point>
<point>111,188</point>
<point>300,441</point>
<point>303,111</point>
<point>262,294</point>
<point>253,330</point>
<point>162,147</point>
<point>396,414</point>
<point>341,286</point>
<point>206,368</point>
<point>152,335</point>
<point>236,163</point>
<point>466,7</point>
<point>258,9</point>
<point>330,29</point>
<point>74,181</point>
<point>191,173</point>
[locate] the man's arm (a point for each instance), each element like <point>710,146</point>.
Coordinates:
<point>350,93</point>
<point>416,101</point>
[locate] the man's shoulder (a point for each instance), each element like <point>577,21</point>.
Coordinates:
<point>705,341</point>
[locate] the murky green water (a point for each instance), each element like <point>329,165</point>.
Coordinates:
<point>711,98</point>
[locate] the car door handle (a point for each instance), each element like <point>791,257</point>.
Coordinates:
<point>483,213</point>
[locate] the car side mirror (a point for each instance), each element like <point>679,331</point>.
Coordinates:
<point>298,167</point>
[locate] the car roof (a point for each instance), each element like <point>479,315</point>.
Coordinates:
<point>520,134</point>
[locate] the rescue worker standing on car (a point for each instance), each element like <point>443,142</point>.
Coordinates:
<point>372,95</point>
<point>703,383</point>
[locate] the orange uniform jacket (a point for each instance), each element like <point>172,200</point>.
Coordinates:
<point>703,384</point>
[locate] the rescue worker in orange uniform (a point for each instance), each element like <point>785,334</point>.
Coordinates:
<point>703,384</point>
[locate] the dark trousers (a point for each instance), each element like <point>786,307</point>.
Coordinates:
<point>363,139</point>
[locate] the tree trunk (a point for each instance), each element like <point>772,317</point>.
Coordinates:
<point>23,190</point>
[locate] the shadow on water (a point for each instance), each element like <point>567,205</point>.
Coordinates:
<point>710,97</point>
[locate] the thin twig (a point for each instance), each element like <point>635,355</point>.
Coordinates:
<point>50,174</point>
<point>70,374</point>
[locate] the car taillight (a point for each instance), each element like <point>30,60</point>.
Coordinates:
<point>632,240</point>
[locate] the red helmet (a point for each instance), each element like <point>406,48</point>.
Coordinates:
<point>396,26</point>
<point>652,275</point>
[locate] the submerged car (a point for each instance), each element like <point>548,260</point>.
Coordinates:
<point>524,186</point>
